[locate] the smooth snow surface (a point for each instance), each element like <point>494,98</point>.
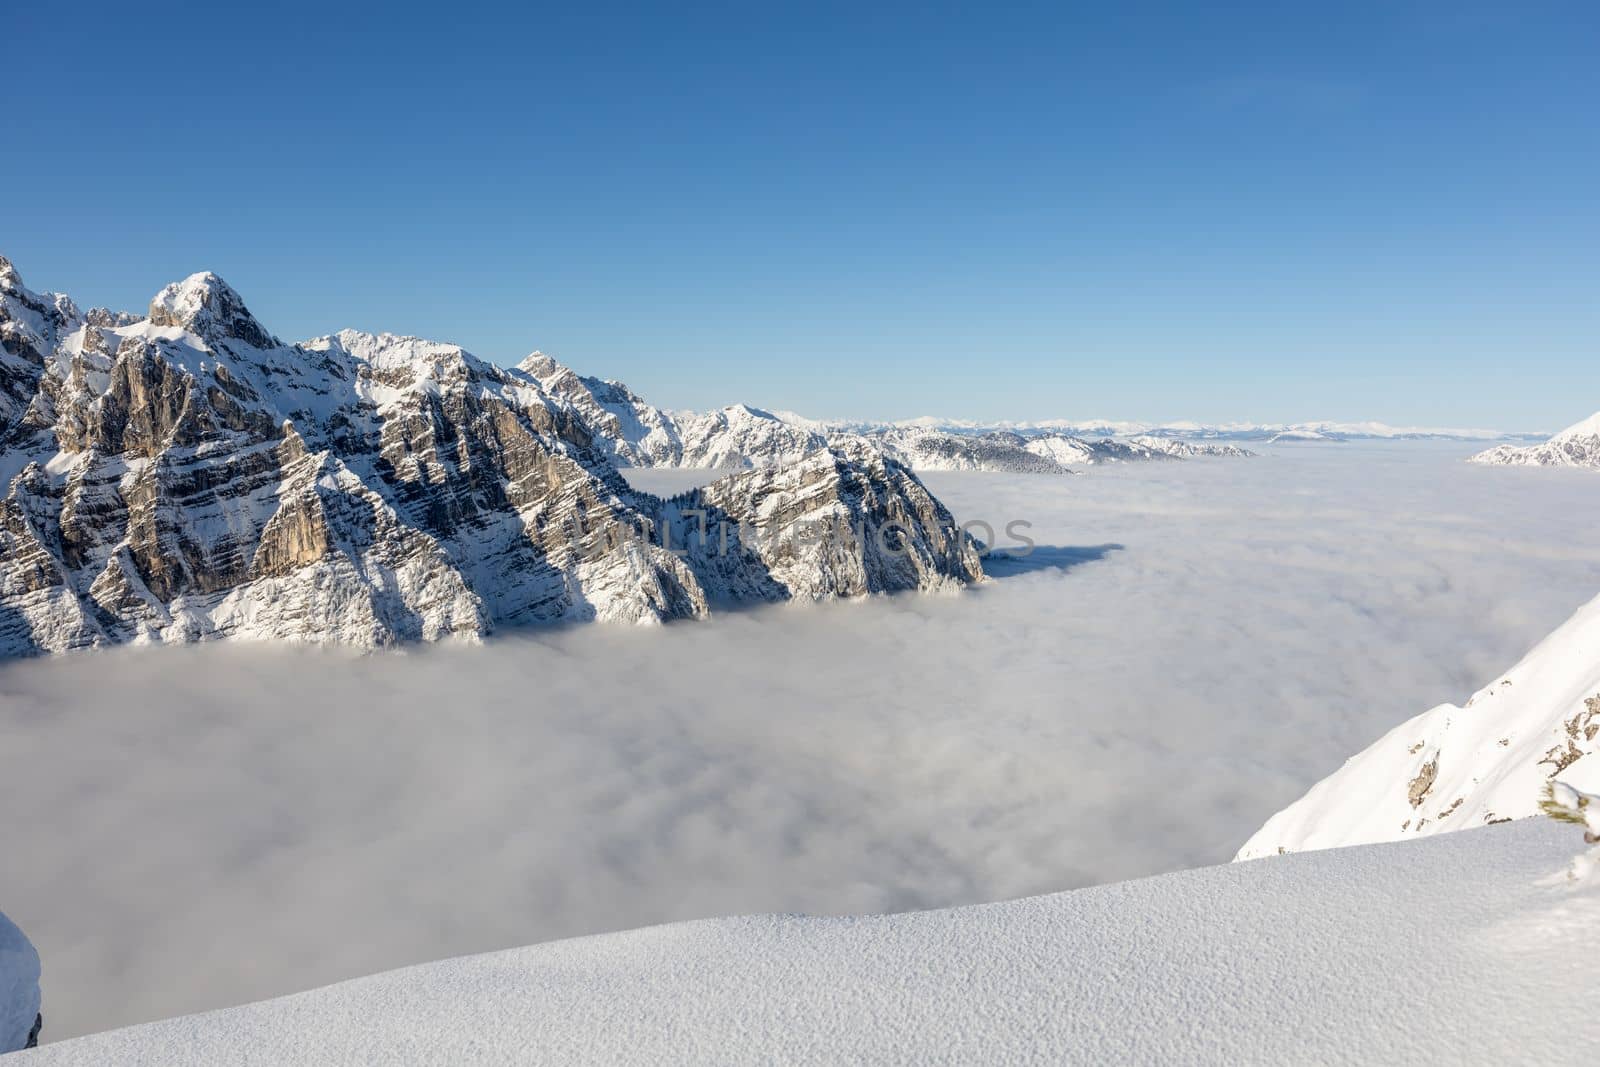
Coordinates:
<point>1262,620</point>
<point>19,986</point>
<point>1589,427</point>
<point>1460,950</point>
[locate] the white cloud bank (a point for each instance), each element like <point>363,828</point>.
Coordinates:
<point>188,828</point>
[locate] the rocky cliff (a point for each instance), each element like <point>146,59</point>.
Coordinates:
<point>187,476</point>
<point>842,521</point>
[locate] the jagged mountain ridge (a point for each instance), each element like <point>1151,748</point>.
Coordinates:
<point>641,435</point>
<point>1576,446</point>
<point>187,476</point>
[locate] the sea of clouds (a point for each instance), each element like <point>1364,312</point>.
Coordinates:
<point>1188,649</point>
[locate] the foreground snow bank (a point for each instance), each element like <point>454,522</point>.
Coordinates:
<point>19,987</point>
<point>1455,949</point>
<point>1457,767</point>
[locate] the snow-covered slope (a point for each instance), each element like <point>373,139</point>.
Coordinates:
<point>1576,446</point>
<point>1460,949</point>
<point>742,436</point>
<point>19,988</point>
<point>188,476</point>
<point>1148,446</point>
<point>1457,767</point>
<point>940,450</point>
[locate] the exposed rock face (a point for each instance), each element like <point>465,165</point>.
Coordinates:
<point>1576,446</point>
<point>188,476</point>
<point>635,434</point>
<point>844,521</point>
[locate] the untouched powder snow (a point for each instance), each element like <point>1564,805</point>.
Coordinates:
<point>1452,768</point>
<point>1469,948</point>
<point>19,986</point>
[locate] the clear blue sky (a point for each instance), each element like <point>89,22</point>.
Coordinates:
<point>1275,211</point>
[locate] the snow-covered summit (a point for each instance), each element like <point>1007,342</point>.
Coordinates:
<point>1576,446</point>
<point>1452,950</point>
<point>207,306</point>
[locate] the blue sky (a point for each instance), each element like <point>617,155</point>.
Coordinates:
<point>1215,212</point>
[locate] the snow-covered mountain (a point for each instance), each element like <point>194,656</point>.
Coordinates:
<point>1453,950</point>
<point>19,989</point>
<point>1198,431</point>
<point>1452,768</point>
<point>1006,450</point>
<point>1576,446</point>
<point>186,476</point>
<point>634,433</point>
<point>844,519</point>
<point>939,450</point>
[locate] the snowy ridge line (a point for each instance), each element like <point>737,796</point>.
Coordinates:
<point>638,434</point>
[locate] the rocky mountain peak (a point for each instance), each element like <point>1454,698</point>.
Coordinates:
<point>10,280</point>
<point>540,365</point>
<point>209,307</point>
<point>745,411</point>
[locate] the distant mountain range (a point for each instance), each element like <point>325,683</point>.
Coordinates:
<point>638,434</point>
<point>642,435</point>
<point>1196,431</point>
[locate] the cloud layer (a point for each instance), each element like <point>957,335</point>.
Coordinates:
<point>1190,648</point>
